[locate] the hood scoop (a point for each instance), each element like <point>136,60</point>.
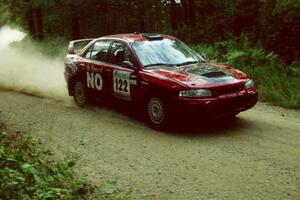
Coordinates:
<point>214,74</point>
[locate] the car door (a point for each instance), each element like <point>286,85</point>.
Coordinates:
<point>122,79</point>
<point>95,65</point>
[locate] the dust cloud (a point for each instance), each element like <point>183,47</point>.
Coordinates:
<point>29,72</point>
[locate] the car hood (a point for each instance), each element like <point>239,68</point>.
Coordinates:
<point>202,74</point>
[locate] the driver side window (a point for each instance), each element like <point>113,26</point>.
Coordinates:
<point>98,51</point>
<point>119,53</point>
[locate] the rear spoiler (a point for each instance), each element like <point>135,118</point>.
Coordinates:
<point>71,49</point>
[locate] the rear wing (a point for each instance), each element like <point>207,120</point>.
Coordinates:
<point>80,44</point>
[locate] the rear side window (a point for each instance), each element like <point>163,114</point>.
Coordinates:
<point>98,51</point>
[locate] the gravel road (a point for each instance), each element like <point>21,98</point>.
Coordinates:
<point>257,156</point>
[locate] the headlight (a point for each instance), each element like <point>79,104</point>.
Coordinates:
<point>195,93</point>
<point>249,84</point>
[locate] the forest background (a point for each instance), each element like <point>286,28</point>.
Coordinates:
<point>260,37</point>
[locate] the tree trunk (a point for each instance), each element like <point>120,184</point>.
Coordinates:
<point>39,23</point>
<point>75,25</point>
<point>30,22</point>
<point>141,16</point>
<point>173,15</point>
<point>191,13</point>
<point>185,10</point>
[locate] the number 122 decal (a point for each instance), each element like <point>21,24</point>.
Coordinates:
<point>122,84</point>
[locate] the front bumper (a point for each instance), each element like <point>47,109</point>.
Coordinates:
<point>213,107</point>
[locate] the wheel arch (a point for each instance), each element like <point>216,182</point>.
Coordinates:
<point>72,81</point>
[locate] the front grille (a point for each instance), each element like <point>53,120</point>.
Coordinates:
<point>228,90</point>
<point>229,105</point>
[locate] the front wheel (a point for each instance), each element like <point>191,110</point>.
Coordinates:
<point>156,112</point>
<point>80,93</point>
<point>230,117</point>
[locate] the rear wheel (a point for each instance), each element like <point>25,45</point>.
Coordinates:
<point>156,112</point>
<point>80,94</point>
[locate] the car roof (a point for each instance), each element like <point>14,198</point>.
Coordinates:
<point>138,37</point>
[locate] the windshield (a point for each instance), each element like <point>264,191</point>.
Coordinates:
<point>166,52</point>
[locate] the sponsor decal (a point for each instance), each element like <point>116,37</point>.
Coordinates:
<point>122,84</point>
<point>133,82</point>
<point>94,80</point>
<point>70,63</point>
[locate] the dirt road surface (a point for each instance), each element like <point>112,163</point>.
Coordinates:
<point>257,156</point>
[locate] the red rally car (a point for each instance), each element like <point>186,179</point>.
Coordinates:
<point>159,72</point>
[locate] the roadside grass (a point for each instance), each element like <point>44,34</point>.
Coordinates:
<point>28,173</point>
<point>277,82</point>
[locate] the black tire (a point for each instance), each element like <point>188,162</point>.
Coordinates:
<point>156,112</point>
<point>233,115</point>
<point>230,117</point>
<point>80,93</point>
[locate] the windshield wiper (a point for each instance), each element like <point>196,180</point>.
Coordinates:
<point>159,64</point>
<point>187,63</point>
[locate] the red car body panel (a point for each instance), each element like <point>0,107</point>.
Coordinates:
<point>228,96</point>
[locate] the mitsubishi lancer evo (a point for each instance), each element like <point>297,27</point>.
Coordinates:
<point>159,72</point>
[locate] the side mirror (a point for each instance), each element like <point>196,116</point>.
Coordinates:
<point>204,55</point>
<point>71,48</point>
<point>128,64</point>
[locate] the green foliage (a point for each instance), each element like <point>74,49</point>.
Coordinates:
<point>109,187</point>
<point>277,82</point>
<point>273,24</point>
<point>4,14</point>
<point>284,5</point>
<point>277,87</point>
<point>27,173</point>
